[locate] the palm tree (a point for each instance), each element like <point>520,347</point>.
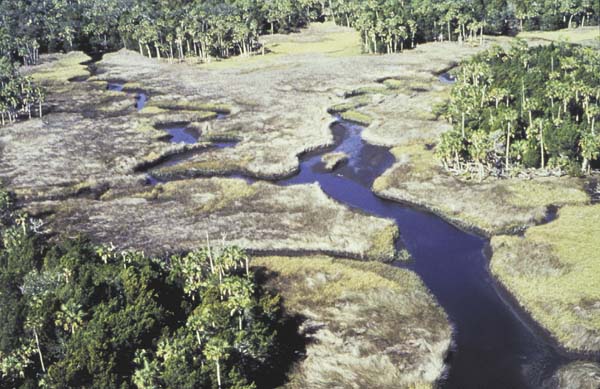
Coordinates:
<point>590,150</point>
<point>145,377</point>
<point>538,126</point>
<point>509,116</point>
<point>70,316</point>
<point>216,350</point>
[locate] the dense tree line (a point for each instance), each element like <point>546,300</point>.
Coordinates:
<point>525,107</point>
<point>205,28</point>
<point>158,28</point>
<point>389,26</point>
<point>19,96</point>
<point>78,315</point>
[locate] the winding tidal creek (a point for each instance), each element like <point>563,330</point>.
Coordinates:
<point>496,344</point>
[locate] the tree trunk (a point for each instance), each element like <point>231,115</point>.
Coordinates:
<point>218,374</point>
<point>481,36</point>
<point>508,146</point>
<point>542,146</point>
<point>39,350</point>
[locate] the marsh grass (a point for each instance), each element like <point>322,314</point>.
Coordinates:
<point>369,325</point>
<point>554,272</point>
<point>333,160</point>
<point>178,104</point>
<point>577,375</point>
<point>356,117</point>
<point>319,38</point>
<point>492,206</point>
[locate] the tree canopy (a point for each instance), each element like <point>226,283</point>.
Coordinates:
<point>525,107</point>
<point>19,96</point>
<point>205,28</point>
<point>79,315</point>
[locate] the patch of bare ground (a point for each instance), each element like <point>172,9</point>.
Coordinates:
<point>553,271</point>
<point>577,375</point>
<point>368,325</point>
<point>261,217</point>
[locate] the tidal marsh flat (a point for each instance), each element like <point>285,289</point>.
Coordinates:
<point>369,325</point>
<point>490,207</point>
<point>279,102</point>
<point>180,216</point>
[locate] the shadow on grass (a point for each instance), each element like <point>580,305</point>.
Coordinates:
<point>291,342</point>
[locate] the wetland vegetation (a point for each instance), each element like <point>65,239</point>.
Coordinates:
<point>148,169</point>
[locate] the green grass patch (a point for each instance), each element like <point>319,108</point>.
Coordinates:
<point>357,117</point>
<point>65,68</point>
<point>351,104</point>
<point>588,36</point>
<point>319,38</point>
<point>188,105</point>
<point>554,272</point>
<point>531,193</point>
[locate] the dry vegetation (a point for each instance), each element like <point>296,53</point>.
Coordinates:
<point>178,216</point>
<point>490,207</point>
<point>577,375</point>
<point>369,325</point>
<point>86,141</point>
<point>333,160</point>
<point>553,271</point>
<point>279,101</point>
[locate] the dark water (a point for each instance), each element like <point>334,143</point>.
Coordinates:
<point>447,78</point>
<point>496,346</point>
<point>183,135</point>
<point>140,101</point>
<point>114,87</point>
